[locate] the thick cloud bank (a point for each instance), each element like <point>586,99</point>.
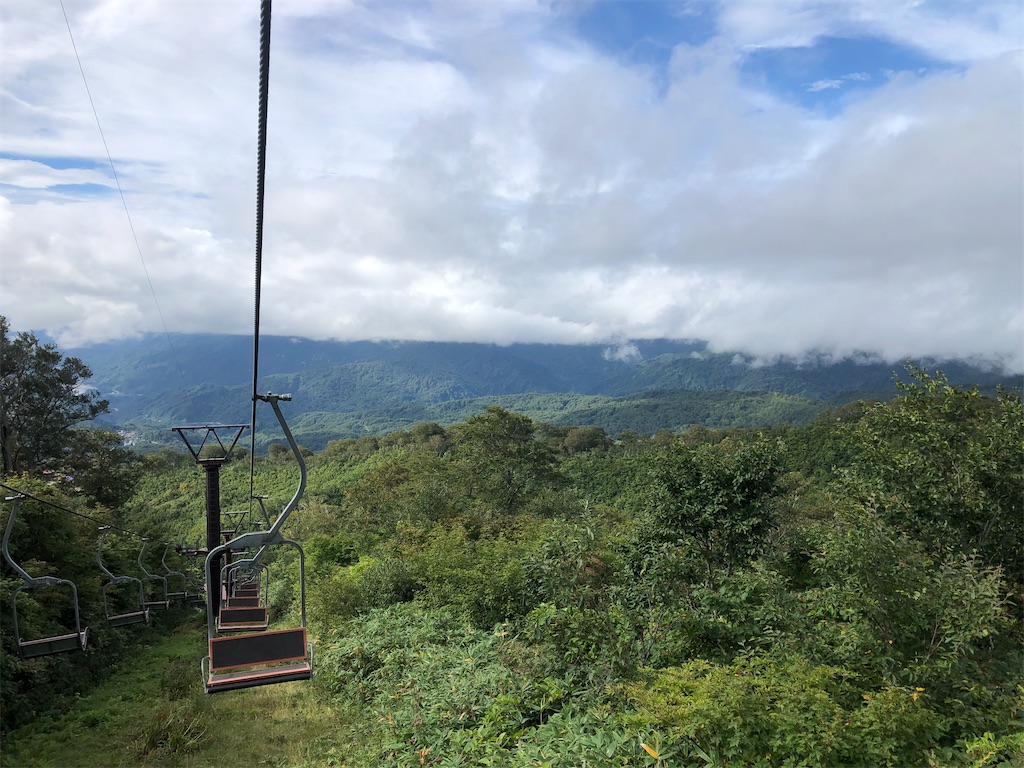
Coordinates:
<point>508,172</point>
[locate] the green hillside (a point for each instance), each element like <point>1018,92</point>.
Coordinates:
<point>352,389</point>
<point>501,591</point>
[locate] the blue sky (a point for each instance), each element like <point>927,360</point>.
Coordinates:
<point>777,177</point>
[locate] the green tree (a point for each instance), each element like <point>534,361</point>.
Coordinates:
<point>502,460</point>
<point>711,498</point>
<point>945,463</point>
<point>100,465</point>
<point>579,439</point>
<point>42,395</point>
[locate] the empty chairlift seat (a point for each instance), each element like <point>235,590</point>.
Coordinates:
<point>44,646</point>
<point>242,619</point>
<point>178,576</point>
<point>242,609</point>
<point>140,613</point>
<point>246,661</point>
<point>158,598</point>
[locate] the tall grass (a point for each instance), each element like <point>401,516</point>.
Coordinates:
<point>153,712</point>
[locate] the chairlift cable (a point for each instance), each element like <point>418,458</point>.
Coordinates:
<point>261,164</point>
<point>257,657</point>
<point>58,507</point>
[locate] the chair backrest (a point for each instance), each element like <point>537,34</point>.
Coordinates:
<point>242,615</point>
<point>275,647</point>
<point>175,594</point>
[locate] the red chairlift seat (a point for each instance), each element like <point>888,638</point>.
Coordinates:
<point>246,661</point>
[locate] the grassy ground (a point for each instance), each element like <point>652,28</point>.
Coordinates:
<point>153,712</point>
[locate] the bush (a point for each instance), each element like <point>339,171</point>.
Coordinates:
<point>762,711</point>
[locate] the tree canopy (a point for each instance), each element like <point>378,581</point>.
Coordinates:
<point>43,394</point>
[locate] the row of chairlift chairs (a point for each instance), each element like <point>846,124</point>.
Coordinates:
<point>137,609</point>
<point>242,651</point>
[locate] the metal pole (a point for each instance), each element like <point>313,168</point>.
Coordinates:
<point>213,537</point>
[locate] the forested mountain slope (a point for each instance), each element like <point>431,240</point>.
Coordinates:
<point>347,389</point>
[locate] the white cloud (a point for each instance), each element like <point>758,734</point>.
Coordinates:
<point>624,353</point>
<point>474,172</point>
<point>28,174</point>
<point>956,32</point>
<point>824,85</point>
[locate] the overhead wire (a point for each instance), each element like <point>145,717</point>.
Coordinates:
<point>120,191</point>
<point>60,508</point>
<point>265,55</point>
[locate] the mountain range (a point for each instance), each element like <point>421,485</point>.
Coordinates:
<point>350,389</point>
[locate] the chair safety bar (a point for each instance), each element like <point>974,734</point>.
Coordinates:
<point>176,574</point>
<point>162,580</point>
<point>123,619</point>
<point>44,646</point>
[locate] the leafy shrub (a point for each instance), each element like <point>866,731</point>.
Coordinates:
<point>571,737</point>
<point>480,578</point>
<point>596,645</point>
<point>762,711</point>
<point>389,580</point>
<point>445,693</point>
<point>890,614</point>
<point>424,674</point>
<point>334,598</point>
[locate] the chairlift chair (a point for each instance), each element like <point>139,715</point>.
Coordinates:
<point>129,617</point>
<point>246,660</point>
<point>195,587</point>
<point>161,581</point>
<point>43,646</point>
<point>168,573</point>
<point>242,610</point>
<point>245,579</point>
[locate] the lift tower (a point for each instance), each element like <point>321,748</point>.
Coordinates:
<point>218,451</point>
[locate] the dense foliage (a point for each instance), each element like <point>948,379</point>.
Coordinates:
<point>508,592</point>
